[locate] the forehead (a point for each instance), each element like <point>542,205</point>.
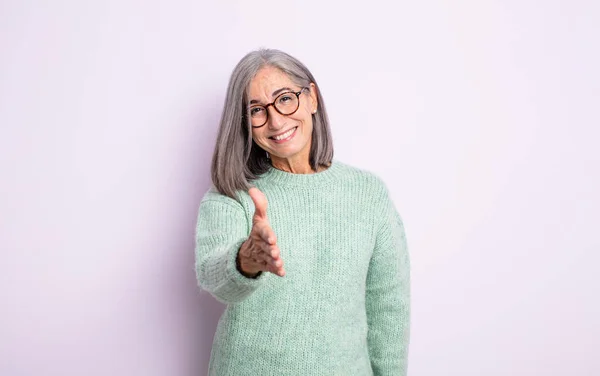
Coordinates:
<point>267,80</point>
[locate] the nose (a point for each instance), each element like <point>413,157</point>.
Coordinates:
<point>276,120</point>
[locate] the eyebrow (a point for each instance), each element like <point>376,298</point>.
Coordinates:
<point>253,101</point>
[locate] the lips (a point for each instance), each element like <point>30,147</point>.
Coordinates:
<point>284,132</point>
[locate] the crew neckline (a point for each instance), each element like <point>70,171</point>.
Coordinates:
<point>281,177</point>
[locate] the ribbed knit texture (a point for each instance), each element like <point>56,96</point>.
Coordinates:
<point>343,307</point>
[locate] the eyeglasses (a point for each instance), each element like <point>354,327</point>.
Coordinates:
<point>286,103</point>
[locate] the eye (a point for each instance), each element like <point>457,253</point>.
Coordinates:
<point>255,111</point>
<point>285,98</point>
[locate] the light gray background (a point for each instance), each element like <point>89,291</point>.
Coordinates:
<point>481,116</point>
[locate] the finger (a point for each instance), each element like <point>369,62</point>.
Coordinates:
<point>261,254</point>
<point>265,232</point>
<point>274,270</point>
<point>260,204</point>
<point>277,262</point>
<point>272,251</point>
<point>280,271</point>
<point>261,251</point>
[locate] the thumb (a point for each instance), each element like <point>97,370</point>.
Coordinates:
<point>260,204</point>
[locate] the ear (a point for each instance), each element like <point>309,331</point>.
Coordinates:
<point>314,103</point>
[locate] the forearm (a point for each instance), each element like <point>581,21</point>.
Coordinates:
<point>389,335</point>
<point>218,274</point>
<point>220,232</point>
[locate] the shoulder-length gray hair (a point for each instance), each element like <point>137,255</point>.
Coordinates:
<point>237,159</point>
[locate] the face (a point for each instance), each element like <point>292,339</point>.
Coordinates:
<point>264,88</point>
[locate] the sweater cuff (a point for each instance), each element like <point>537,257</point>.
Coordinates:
<point>242,283</point>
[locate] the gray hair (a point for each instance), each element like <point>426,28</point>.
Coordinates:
<point>237,159</point>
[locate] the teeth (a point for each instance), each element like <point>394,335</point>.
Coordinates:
<point>285,135</point>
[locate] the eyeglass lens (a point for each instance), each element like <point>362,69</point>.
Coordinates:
<point>285,104</point>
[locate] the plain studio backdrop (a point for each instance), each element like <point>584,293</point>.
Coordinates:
<point>482,117</point>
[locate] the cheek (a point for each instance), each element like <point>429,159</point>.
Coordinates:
<point>261,140</point>
<point>257,135</point>
<point>304,117</point>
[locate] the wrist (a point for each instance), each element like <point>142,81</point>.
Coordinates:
<point>238,266</point>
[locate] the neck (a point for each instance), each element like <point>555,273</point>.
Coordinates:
<point>293,166</point>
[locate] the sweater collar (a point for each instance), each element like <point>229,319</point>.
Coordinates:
<point>281,177</point>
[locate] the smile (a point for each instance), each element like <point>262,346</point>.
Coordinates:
<point>284,136</point>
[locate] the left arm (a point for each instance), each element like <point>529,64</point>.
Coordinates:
<point>388,296</point>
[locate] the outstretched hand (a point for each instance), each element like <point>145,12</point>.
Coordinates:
<point>260,251</point>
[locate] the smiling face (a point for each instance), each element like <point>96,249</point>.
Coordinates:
<point>293,148</point>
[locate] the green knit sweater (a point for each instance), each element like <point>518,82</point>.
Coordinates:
<point>343,307</point>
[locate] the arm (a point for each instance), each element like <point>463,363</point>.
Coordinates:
<point>388,297</point>
<point>220,231</point>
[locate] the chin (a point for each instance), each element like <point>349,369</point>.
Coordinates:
<point>284,155</point>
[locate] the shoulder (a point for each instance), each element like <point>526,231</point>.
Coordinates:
<point>213,197</point>
<point>367,179</point>
<point>241,205</point>
<point>373,188</point>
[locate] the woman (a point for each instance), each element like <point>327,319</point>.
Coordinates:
<point>308,253</point>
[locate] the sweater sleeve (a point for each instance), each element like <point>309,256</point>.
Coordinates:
<point>388,296</point>
<point>221,229</point>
